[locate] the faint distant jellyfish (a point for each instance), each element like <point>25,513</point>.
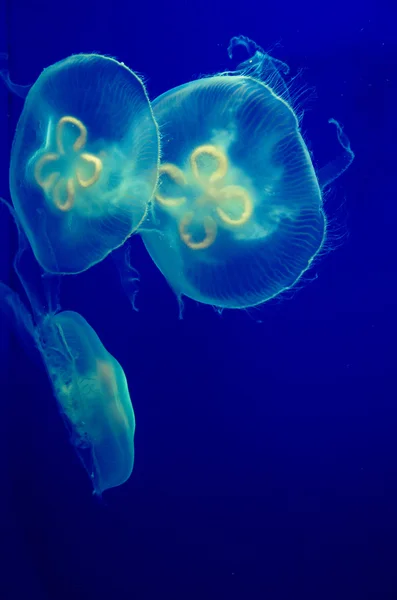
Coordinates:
<point>238,215</point>
<point>92,393</point>
<point>88,382</point>
<point>84,161</point>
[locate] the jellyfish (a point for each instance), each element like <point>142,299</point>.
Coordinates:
<point>92,393</point>
<point>88,383</point>
<point>238,215</point>
<point>84,160</point>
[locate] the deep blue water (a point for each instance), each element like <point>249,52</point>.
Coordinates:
<point>266,452</point>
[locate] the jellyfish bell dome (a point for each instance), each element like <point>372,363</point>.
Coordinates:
<point>237,215</point>
<point>84,161</point>
<point>93,397</point>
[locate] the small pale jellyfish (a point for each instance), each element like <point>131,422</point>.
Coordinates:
<point>92,393</point>
<point>88,383</point>
<point>238,214</point>
<point>84,161</point>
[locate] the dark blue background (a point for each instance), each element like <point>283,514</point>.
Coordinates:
<point>266,453</point>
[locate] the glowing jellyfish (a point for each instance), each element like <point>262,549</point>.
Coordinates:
<point>92,393</point>
<point>88,382</point>
<point>84,161</point>
<point>238,214</point>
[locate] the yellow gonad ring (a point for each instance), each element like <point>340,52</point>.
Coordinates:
<point>218,155</point>
<point>48,182</point>
<point>67,204</point>
<point>232,203</point>
<point>53,182</point>
<point>210,229</point>
<point>97,163</point>
<point>234,194</point>
<point>81,138</point>
<point>177,176</point>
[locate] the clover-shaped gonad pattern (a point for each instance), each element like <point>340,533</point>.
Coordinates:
<point>48,168</point>
<point>214,192</point>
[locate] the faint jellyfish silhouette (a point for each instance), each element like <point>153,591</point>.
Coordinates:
<point>238,215</point>
<point>92,393</point>
<point>84,161</point>
<point>88,383</point>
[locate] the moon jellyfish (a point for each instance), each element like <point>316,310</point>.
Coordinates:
<point>88,383</point>
<point>84,161</point>
<point>238,216</point>
<point>92,393</point>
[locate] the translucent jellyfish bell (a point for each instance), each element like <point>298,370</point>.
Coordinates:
<point>92,393</point>
<point>84,161</point>
<point>88,382</point>
<point>238,215</point>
